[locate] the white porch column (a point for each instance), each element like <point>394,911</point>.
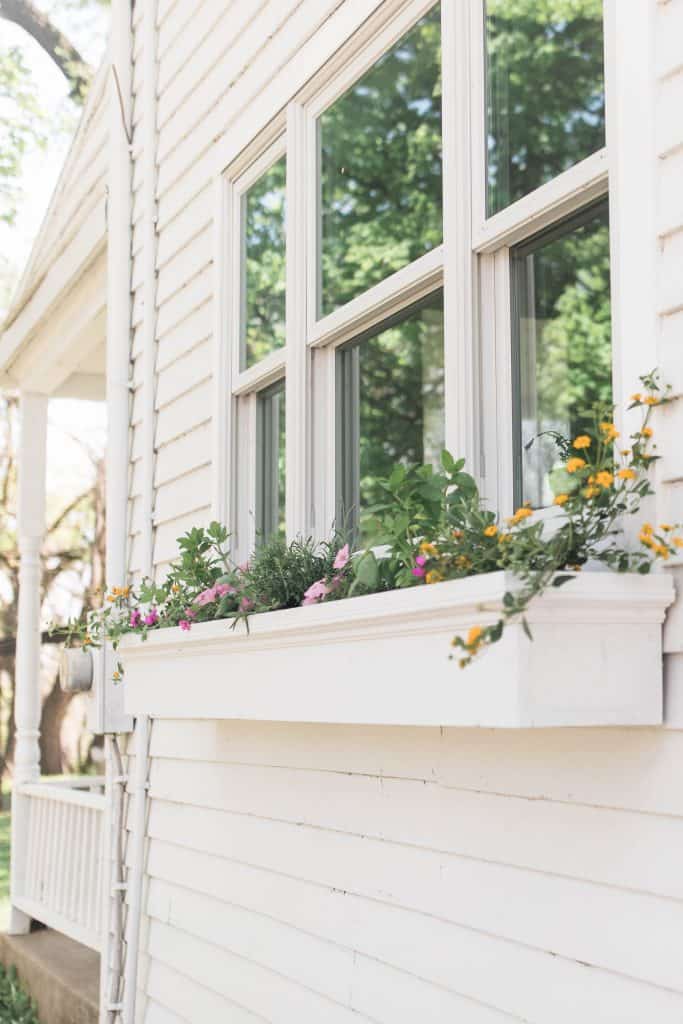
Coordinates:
<point>31,527</point>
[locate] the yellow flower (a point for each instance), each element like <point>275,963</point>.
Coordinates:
<point>575,463</point>
<point>561,499</point>
<point>504,537</point>
<point>433,576</point>
<point>428,549</point>
<point>626,474</point>
<point>463,562</point>
<point>474,636</point>
<point>125,591</point>
<point>666,527</point>
<point>637,397</point>
<point>647,528</point>
<point>604,478</point>
<point>651,400</point>
<point>625,451</point>
<point>583,441</point>
<point>522,513</point>
<point>175,589</point>
<point>677,542</point>
<point>646,538</point>
<point>116,676</point>
<point>647,432</point>
<point>609,430</point>
<point>591,492</point>
<point>491,531</point>
<point>111,597</point>
<point>87,639</point>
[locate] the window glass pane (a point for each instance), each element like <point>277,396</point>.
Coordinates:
<point>390,406</point>
<point>263,306</point>
<point>270,475</point>
<point>380,164</point>
<point>545,92</point>
<point>561,296</point>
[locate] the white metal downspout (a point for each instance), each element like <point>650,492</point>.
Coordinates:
<point>142,728</point>
<point>119,309</point>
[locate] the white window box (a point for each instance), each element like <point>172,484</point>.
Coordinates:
<point>595,659</point>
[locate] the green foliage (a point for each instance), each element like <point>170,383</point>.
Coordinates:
<point>430,526</point>
<point>546,102</point>
<point>23,126</point>
<point>15,1006</point>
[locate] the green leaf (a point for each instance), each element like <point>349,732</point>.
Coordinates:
<point>559,581</point>
<point>525,627</point>
<point>366,571</point>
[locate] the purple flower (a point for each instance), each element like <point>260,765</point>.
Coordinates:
<point>342,558</point>
<point>135,618</point>
<point>316,592</point>
<point>152,617</point>
<point>419,569</point>
<point>185,624</point>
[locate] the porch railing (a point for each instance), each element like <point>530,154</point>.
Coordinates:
<point>61,884</point>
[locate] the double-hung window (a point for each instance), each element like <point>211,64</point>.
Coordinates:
<point>444,259</point>
<point>257,288</point>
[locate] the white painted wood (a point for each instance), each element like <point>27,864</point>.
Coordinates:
<point>62,885</point>
<point>613,677</point>
<point>30,528</point>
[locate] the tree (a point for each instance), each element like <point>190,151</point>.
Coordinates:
<point>73,555</point>
<point>24,123</point>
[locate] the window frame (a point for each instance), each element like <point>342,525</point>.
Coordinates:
<point>472,266</point>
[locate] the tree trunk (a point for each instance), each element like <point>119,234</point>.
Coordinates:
<point>56,45</point>
<point>52,715</point>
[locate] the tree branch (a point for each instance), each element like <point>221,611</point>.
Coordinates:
<point>56,45</point>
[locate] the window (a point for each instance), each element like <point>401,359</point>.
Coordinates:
<point>389,405</point>
<point>562,341</point>
<point>544,90</point>
<point>434,211</point>
<point>254,236</point>
<point>263,322</point>
<point>270,462</point>
<point>380,168</point>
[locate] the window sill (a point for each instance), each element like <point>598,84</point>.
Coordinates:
<point>596,659</point>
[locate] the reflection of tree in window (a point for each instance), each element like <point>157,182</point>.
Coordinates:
<point>381,168</point>
<point>545,91</point>
<point>270,469</point>
<point>263,318</point>
<point>562,293</point>
<point>398,404</point>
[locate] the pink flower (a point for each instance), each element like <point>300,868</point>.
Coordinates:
<point>190,613</point>
<point>246,604</point>
<point>316,592</point>
<point>223,588</point>
<point>185,624</point>
<point>152,617</point>
<point>135,618</point>
<point>421,560</point>
<point>342,558</point>
<point>213,593</point>
<point>419,571</point>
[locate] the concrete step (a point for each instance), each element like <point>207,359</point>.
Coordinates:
<point>61,975</point>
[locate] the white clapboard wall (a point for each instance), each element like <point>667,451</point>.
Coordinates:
<point>307,873</point>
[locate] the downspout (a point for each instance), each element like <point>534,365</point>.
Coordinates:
<point>119,309</point>
<point>148,357</point>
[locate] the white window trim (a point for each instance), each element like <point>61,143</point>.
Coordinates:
<point>472,265</point>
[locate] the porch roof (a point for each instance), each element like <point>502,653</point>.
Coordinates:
<point>53,338</point>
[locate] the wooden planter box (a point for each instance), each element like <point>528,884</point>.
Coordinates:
<point>595,659</point>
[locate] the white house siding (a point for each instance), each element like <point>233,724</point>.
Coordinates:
<point>308,873</point>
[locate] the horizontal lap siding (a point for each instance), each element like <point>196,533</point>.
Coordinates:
<point>401,871</point>
<point>305,873</point>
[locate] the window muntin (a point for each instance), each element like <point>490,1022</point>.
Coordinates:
<point>270,462</point>
<point>263,266</point>
<point>545,94</point>
<point>561,342</point>
<point>390,405</point>
<point>380,193</point>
